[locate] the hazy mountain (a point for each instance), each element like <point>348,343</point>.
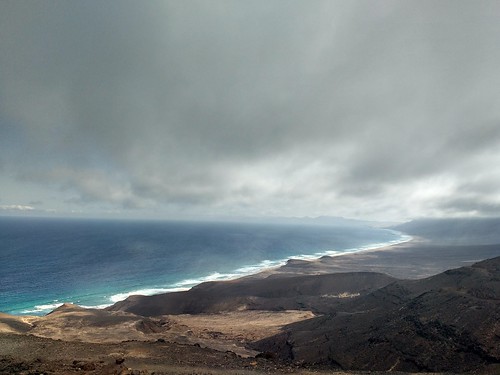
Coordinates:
<point>463,231</point>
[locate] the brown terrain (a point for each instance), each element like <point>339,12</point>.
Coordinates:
<point>449,322</point>
<point>336,314</point>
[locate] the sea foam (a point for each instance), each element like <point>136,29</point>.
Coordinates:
<point>186,284</point>
<point>98,263</point>
<point>40,309</point>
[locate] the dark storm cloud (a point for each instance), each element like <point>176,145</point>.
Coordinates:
<point>418,155</point>
<point>321,107</point>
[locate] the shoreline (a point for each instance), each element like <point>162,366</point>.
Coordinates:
<point>415,259</point>
<point>244,316</point>
<point>251,271</point>
<point>262,267</point>
<point>409,258</point>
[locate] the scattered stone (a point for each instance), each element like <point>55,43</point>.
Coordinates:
<point>120,360</point>
<point>83,365</point>
<point>266,355</point>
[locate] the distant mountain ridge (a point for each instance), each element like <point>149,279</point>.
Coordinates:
<point>456,231</point>
<point>317,220</point>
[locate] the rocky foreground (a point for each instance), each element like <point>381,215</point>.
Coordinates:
<point>299,319</point>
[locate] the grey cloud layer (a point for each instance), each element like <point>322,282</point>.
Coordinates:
<point>283,107</point>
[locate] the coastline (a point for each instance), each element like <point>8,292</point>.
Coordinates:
<point>265,267</point>
<point>235,321</point>
<point>408,258</point>
<point>246,271</point>
<point>415,259</point>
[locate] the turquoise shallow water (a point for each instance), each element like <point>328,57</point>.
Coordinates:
<point>46,262</point>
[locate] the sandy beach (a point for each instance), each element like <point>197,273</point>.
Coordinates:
<point>414,259</point>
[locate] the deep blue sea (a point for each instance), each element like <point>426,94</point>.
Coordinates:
<point>45,262</point>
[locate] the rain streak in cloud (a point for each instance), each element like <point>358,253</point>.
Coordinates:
<point>381,110</point>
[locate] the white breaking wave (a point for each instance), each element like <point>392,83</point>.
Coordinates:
<point>186,284</point>
<point>181,286</point>
<point>250,270</point>
<point>42,308</point>
<point>96,306</point>
<point>143,292</point>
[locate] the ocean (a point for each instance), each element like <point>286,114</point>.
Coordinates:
<point>94,263</point>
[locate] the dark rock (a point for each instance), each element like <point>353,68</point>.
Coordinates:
<point>9,365</point>
<point>88,366</point>
<point>445,323</point>
<point>305,292</point>
<point>150,326</point>
<point>83,365</point>
<point>266,355</point>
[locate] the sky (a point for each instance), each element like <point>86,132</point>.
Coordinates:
<point>380,110</point>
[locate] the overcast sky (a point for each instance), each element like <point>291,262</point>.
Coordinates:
<point>383,110</point>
